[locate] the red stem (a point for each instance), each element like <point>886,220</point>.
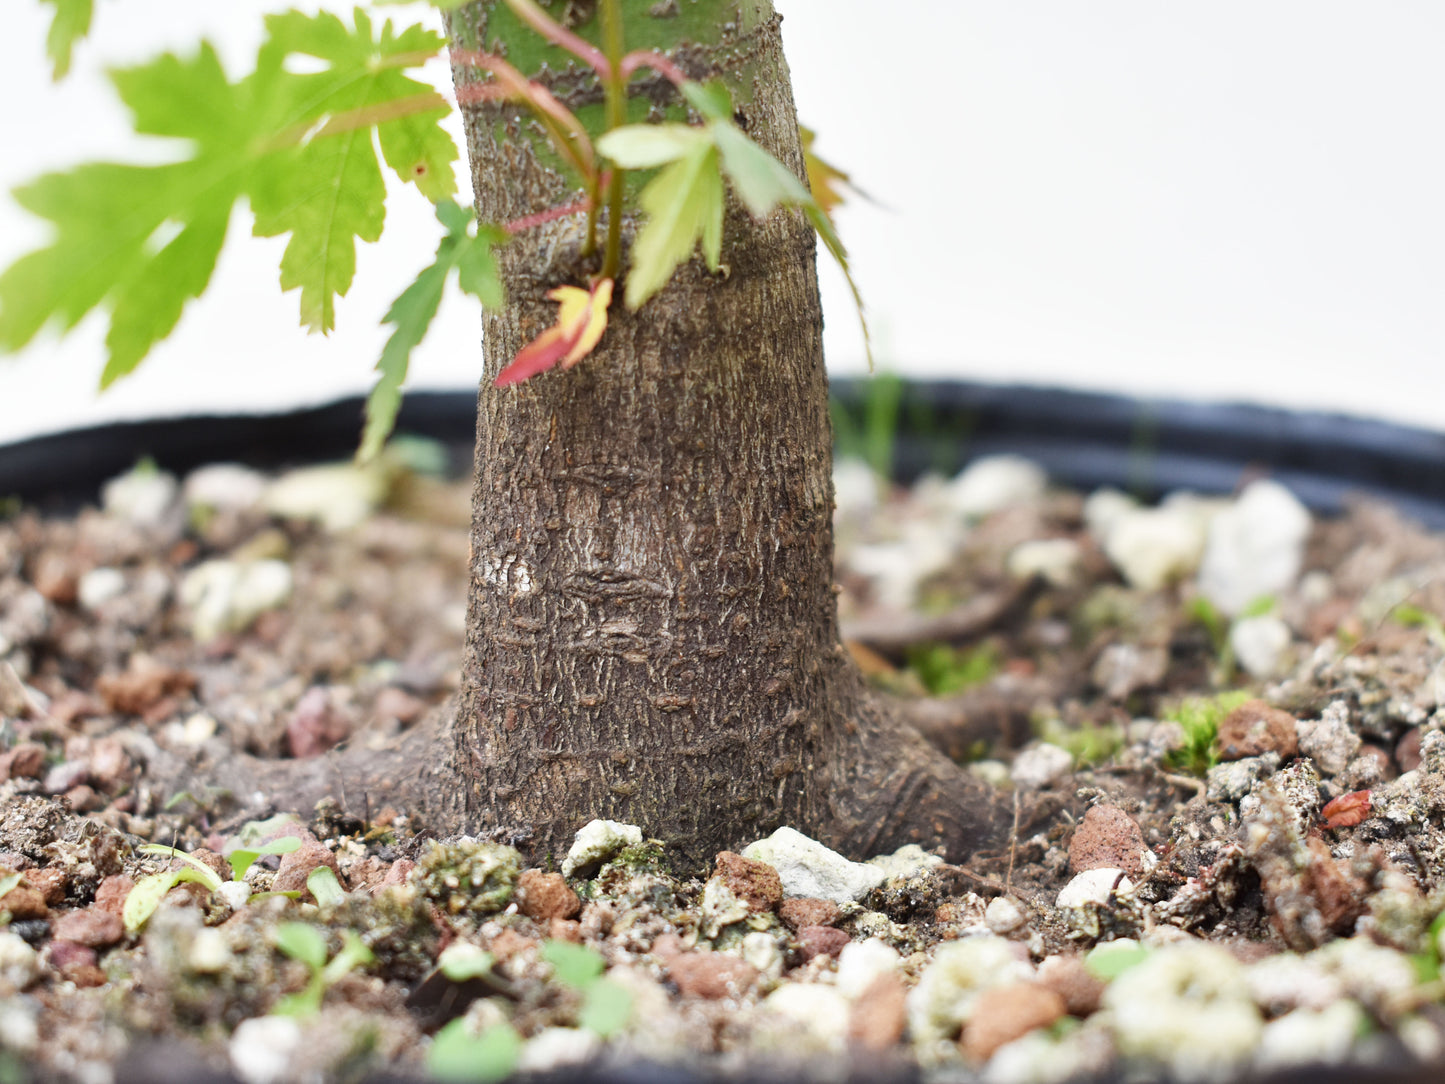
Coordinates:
<point>643,58</point>
<point>560,36</point>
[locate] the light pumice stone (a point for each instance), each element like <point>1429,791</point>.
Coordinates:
<point>959,974</point>
<point>1093,886</point>
<point>994,482</point>
<point>224,487</point>
<point>1056,561</point>
<point>821,1010</point>
<point>807,868</point>
<point>1039,765</point>
<point>861,962</point>
<point>336,495</point>
<point>1186,1007</point>
<point>263,1048</point>
<point>1152,547</point>
<point>554,1048</point>
<point>1259,644</point>
<point>19,964</point>
<point>1255,547</point>
<point>908,860</point>
<point>99,586</point>
<point>597,841</point>
<point>142,496</point>
<point>1311,1036</point>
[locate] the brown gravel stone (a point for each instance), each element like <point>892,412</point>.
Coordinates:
<point>755,883</point>
<point>187,894</point>
<point>509,943</point>
<point>1255,728</point>
<point>545,896</point>
<point>93,927</point>
<point>1071,980</point>
<point>1407,752</point>
<point>24,902</point>
<point>565,929</point>
<point>711,975</point>
<point>26,760</point>
<point>398,704</point>
<point>397,875</point>
<point>1008,1013</point>
<point>1107,838</point>
<point>317,724</point>
<point>50,883</point>
<point>296,866</point>
<point>63,955</point>
<point>144,684</point>
<point>821,941</point>
<point>212,861</point>
<point>111,893</point>
<point>806,911</point>
<point>877,1018</point>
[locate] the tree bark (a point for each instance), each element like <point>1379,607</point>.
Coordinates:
<point>652,632</point>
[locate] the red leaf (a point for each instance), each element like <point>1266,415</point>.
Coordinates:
<point>1347,810</point>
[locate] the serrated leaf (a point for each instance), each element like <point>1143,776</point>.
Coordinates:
<point>70,23</point>
<point>759,179</point>
<point>684,203</point>
<point>414,309</point>
<point>142,240</point>
<point>647,146</point>
<point>302,941</point>
<point>711,99</point>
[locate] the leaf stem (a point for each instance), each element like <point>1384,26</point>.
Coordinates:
<point>614,82</point>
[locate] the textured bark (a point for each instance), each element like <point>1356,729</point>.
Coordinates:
<point>652,631</point>
<point>652,628</point>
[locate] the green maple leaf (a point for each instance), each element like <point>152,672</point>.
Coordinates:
<point>328,191</point>
<point>413,310</point>
<point>70,23</point>
<point>143,240</point>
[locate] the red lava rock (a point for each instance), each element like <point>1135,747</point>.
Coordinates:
<point>597,920</point>
<point>805,911</point>
<point>1339,896</point>
<point>1008,1013</point>
<point>1407,752</point>
<point>217,863</point>
<point>565,929</point>
<point>50,883</point>
<point>62,955</point>
<point>56,576</point>
<point>1107,838</point>
<point>110,894</point>
<point>24,902</point>
<point>710,975</point>
<point>398,704</point>
<point>1071,980</point>
<point>877,1018</point>
<point>396,875</point>
<point>821,941</point>
<point>755,883</point>
<point>83,799</point>
<point>93,927</point>
<point>144,683</point>
<point>1255,728</point>
<point>545,896</point>
<point>295,867</point>
<point>72,704</point>
<point>26,760</point>
<point>1347,810</point>
<point>316,724</point>
<point>666,946</point>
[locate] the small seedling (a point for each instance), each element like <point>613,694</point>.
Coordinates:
<point>1111,959</point>
<point>606,1005</point>
<point>457,1055</point>
<point>945,670</point>
<point>148,892</point>
<point>1200,717</point>
<point>324,887</point>
<point>1089,742</point>
<point>306,943</point>
<point>6,884</point>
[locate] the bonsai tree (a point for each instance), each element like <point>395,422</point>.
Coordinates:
<point>652,631</point>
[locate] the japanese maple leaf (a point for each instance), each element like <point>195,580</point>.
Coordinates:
<point>581,320</point>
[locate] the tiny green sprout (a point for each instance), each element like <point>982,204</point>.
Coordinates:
<point>1089,742</point>
<point>304,942</point>
<point>1111,959</point>
<point>461,961</point>
<point>6,884</point>
<point>324,887</point>
<point>457,1055</point>
<point>606,1005</point>
<point>1260,607</point>
<point>243,858</point>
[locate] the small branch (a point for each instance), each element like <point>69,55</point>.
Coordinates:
<point>893,634</point>
<point>542,217</point>
<point>644,58</point>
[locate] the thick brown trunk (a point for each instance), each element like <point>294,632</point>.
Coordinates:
<point>652,634</point>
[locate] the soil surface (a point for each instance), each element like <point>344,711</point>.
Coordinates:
<point>1226,854</point>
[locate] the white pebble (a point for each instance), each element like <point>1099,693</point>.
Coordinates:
<point>861,962</point>
<point>596,842</point>
<point>1040,765</point>
<point>1056,561</point>
<point>807,868</point>
<point>263,1047</point>
<point>995,482</point>
<point>142,496</point>
<point>1093,886</point>
<point>99,586</point>
<point>224,486</point>
<point>1255,547</point>
<point>1259,644</point>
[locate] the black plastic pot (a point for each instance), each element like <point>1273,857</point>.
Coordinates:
<point>1082,439</point>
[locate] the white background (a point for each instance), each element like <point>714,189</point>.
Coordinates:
<point>1239,199</point>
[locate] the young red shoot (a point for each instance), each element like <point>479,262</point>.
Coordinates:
<point>581,320</point>
<point>1347,810</point>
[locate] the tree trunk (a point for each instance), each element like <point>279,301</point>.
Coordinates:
<point>652,631</point>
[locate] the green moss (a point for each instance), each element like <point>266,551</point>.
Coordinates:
<point>945,670</point>
<point>1089,743</point>
<point>469,876</point>
<point>1200,717</point>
